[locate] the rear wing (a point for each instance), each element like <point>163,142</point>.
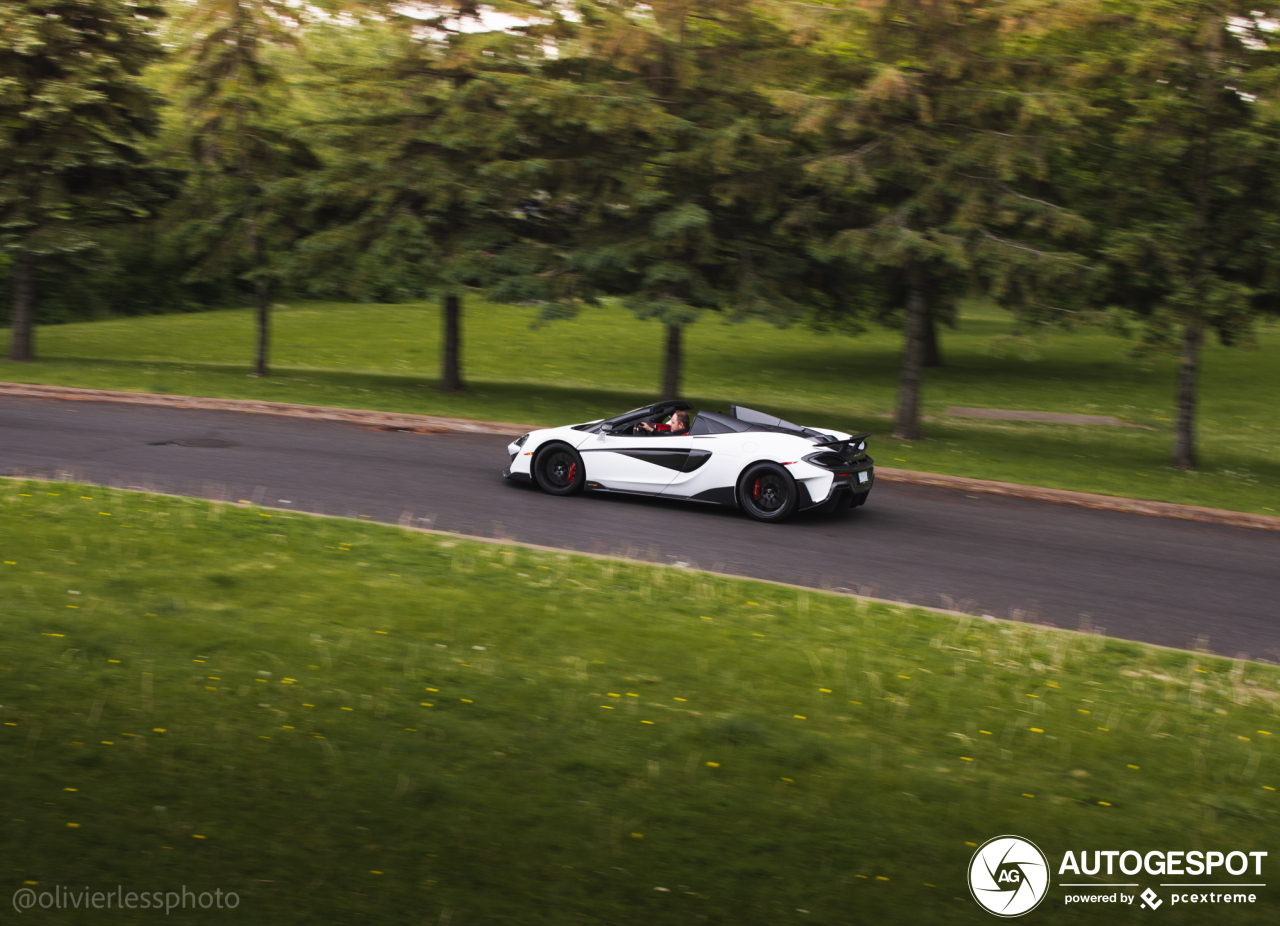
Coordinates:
<point>840,446</point>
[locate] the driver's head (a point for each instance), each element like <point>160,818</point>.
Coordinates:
<point>680,421</point>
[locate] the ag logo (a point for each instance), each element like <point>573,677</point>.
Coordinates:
<point>1008,876</point>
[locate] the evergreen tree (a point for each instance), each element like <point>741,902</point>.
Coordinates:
<point>1181,172</point>
<point>682,210</point>
<point>422,188</point>
<point>72,117</point>
<point>239,155</point>
<point>934,115</point>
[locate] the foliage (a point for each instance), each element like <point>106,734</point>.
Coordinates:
<point>1179,170</point>
<point>931,117</point>
<point>73,116</point>
<point>239,158</point>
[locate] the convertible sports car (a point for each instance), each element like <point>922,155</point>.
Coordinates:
<point>768,467</point>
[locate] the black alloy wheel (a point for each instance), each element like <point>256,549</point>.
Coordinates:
<point>767,492</point>
<point>558,470</point>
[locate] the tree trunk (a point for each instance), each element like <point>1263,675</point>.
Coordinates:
<point>264,330</point>
<point>672,364</point>
<point>22,325</point>
<point>262,291</point>
<point>1184,441</point>
<point>907,426</point>
<point>932,354</point>
<point>451,366</point>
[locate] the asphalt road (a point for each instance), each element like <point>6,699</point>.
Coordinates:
<point>1170,582</point>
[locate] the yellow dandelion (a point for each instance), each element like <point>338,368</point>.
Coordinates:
<point>713,764</point>
<point>74,826</point>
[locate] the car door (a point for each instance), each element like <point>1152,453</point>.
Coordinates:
<point>710,470</point>
<point>628,463</point>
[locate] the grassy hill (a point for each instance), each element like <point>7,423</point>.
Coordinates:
<point>340,721</point>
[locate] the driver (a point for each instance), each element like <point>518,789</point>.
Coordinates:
<point>678,424</point>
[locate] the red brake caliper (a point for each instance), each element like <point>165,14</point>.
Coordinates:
<point>573,471</point>
<point>755,490</point>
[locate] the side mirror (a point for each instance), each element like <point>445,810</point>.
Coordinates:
<point>606,428</point>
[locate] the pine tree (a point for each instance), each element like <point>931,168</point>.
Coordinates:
<point>682,211</point>
<point>422,187</point>
<point>73,115</point>
<point>239,154</point>
<point>1181,172</point>
<point>934,117</point>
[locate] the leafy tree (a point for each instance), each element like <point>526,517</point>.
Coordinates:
<point>422,181</point>
<point>681,164</point>
<point>73,115</point>
<point>934,115</point>
<point>239,155</point>
<point>1181,172</point>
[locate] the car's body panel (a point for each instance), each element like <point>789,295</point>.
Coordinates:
<point>706,463</point>
<point>634,464</point>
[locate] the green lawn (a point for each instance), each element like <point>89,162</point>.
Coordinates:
<point>386,357</point>
<point>341,721</point>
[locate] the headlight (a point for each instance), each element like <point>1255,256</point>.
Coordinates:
<point>521,440</point>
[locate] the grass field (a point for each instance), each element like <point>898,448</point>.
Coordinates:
<point>386,357</point>
<point>343,721</point>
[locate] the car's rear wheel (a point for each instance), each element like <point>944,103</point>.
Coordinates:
<point>558,469</point>
<point>767,492</point>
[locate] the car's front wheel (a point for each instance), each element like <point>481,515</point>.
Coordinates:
<point>767,492</point>
<point>558,469</point>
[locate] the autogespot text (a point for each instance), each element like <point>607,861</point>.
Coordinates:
<point>27,899</point>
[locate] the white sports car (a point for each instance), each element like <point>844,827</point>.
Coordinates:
<point>768,467</point>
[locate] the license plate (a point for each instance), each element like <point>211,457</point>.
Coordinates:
<point>863,476</point>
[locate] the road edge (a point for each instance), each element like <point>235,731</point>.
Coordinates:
<point>436,424</point>
<point>405,524</point>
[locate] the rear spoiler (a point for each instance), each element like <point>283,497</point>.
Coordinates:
<point>840,446</point>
